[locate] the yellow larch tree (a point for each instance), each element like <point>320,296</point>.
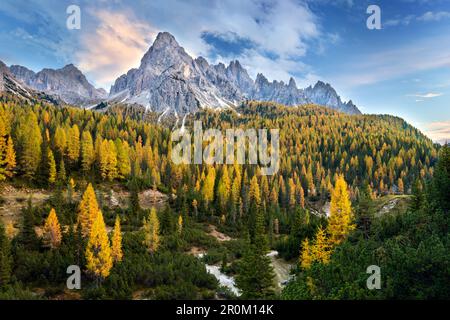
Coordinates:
<point>301,195</point>
<point>29,140</point>
<point>52,230</point>
<point>112,161</point>
<point>10,158</point>
<point>305,255</point>
<point>87,210</point>
<point>208,185</point>
<point>62,171</point>
<point>254,193</point>
<point>223,189</point>
<point>123,159</point>
<point>401,186</point>
<point>98,251</point>
<point>236,185</point>
<point>87,151</point>
<point>273,198</point>
<point>320,251</point>
<point>72,184</point>
<point>116,247</point>
<point>340,220</point>
<point>73,143</point>
<point>180,224</point>
<point>2,147</point>
<point>60,141</point>
<point>108,160</point>
<point>151,231</point>
<point>292,194</point>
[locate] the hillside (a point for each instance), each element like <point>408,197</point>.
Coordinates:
<point>105,164</point>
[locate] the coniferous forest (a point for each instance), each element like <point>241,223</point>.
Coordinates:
<point>102,194</point>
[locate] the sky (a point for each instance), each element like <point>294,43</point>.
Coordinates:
<point>402,69</point>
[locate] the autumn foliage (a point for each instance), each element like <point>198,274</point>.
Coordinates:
<point>87,210</point>
<point>98,251</point>
<point>52,230</point>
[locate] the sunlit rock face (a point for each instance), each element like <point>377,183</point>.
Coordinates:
<point>170,80</point>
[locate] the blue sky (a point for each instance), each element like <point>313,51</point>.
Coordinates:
<point>402,69</point>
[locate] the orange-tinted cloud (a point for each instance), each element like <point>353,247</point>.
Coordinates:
<point>439,131</point>
<point>115,46</point>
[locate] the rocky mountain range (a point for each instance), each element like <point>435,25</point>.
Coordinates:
<point>10,85</point>
<point>67,83</point>
<point>169,80</point>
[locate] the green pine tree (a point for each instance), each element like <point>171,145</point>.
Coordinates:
<point>255,277</point>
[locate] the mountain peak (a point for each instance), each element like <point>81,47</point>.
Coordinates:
<point>321,84</point>
<point>72,71</point>
<point>202,62</point>
<point>165,52</point>
<point>235,64</point>
<point>165,39</point>
<point>70,67</point>
<point>324,94</point>
<point>292,83</point>
<point>220,68</point>
<point>68,83</point>
<point>260,78</point>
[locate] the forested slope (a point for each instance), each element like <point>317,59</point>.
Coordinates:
<point>67,150</point>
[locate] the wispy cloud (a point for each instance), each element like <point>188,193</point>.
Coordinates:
<point>426,95</point>
<point>434,16</point>
<point>439,131</point>
<point>406,20</point>
<point>400,21</point>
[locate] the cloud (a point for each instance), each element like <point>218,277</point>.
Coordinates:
<point>434,16</point>
<point>427,54</point>
<point>280,27</point>
<point>338,3</point>
<point>39,27</point>
<point>405,21</point>
<point>117,44</point>
<point>226,44</point>
<point>278,33</point>
<point>439,131</point>
<point>428,16</point>
<point>426,96</point>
